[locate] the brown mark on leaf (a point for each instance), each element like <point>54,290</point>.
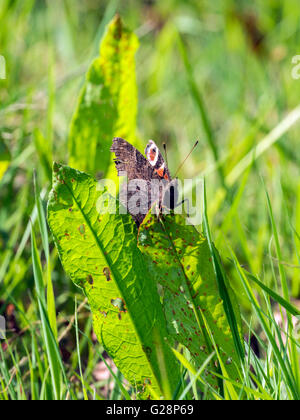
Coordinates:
<point>119,303</point>
<point>117,28</point>
<point>147,381</point>
<point>81,230</point>
<point>147,350</point>
<point>106,272</point>
<point>90,279</point>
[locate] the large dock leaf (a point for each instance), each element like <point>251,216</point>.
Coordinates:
<point>107,106</point>
<point>100,254</point>
<point>180,261</point>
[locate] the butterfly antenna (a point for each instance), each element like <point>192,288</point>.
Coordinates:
<point>193,148</point>
<point>166,155</point>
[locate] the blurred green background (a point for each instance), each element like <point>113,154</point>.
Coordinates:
<point>228,83</point>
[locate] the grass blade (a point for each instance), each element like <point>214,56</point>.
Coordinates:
<point>222,284</point>
<point>263,145</point>
<point>198,100</point>
<point>53,356</point>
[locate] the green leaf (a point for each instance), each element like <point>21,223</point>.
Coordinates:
<point>107,106</point>
<point>180,261</point>
<point>100,253</point>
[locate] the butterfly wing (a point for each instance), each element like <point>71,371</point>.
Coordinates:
<point>157,162</point>
<point>131,163</point>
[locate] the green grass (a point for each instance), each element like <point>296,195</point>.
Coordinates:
<point>199,77</point>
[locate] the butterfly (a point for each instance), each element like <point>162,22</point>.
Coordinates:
<point>141,171</point>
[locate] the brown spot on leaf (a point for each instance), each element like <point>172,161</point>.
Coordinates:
<point>81,229</point>
<point>147,350</point>
<point>119,303</point>
<point>90,279</point>
<point>106,272</point>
